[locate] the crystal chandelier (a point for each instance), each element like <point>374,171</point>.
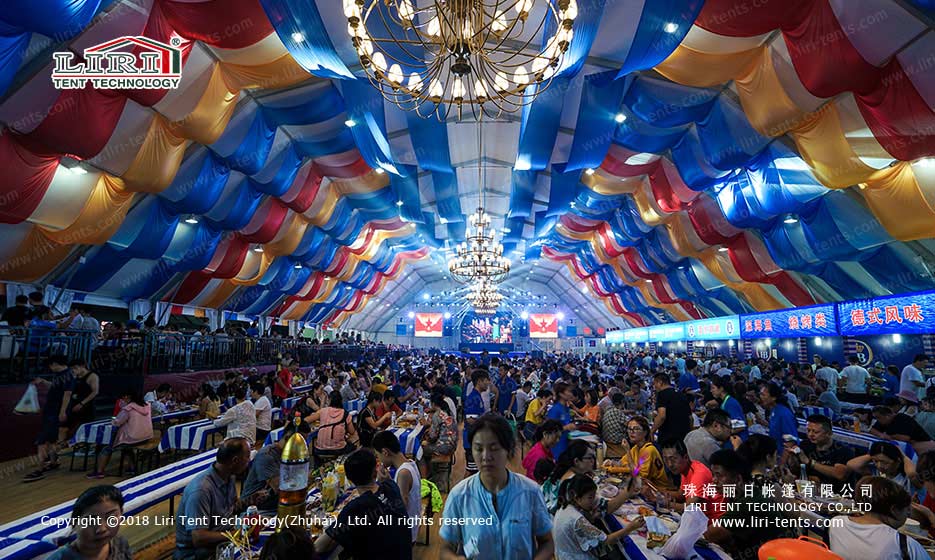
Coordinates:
<point>484,293</point>
<point>433,55</point>
<point>480,255</point>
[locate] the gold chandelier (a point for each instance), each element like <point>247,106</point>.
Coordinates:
<point>432,55</point>
<point>480,255</point>
<point>483,294</point>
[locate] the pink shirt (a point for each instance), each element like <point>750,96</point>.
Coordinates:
<point>134,424</point>
<point>537,452</point>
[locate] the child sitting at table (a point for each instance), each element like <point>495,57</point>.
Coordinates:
<point>576,536</point>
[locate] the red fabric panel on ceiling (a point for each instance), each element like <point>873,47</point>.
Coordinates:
<point>26,177</point>
<point>615,166</point>
<point>707,223</point>
<point>900,119</point>
<point>221,23</point>
<point>663,192</point>
<point>235,252</point>
<point>159,29</point>
<point>83,126</point>
<point>743,18</point>
<point>275,215</point>
<point>189,289</point>
<point>308,192</point>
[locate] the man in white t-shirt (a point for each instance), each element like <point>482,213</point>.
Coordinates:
<point>912,378</point>
<point>856,388</point>
<point>521,398</point>
<point>829,374</point>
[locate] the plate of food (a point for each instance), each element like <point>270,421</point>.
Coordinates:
<point>608,491</point>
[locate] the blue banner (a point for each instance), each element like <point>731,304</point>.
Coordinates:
<point>667,333</point>
<point>719,328</point>
<point>816,320</point>
<point>907,314</point>
<point>636,335</point>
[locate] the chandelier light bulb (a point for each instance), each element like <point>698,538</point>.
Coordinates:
<point>351,9</point>
<point>436,90</point>
<point>523,7</point>
<point>457,89</point>
<point>521,77</point>
<point>395,75</point>
<point>501,83</point>
<point>378,61</point>
<point>365,47</point>
<point>498,25</point>
<point>415,81</point>
<point>406,12</point>
<point>434,28</point>
<point>540,64</point>
<point>480,90</point>
<point>571,12</point>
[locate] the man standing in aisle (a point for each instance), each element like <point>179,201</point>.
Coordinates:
<point>912,378</point>
<point>54,415</point>
<point>473,409</point>
<point>829,374</point>
<point>855,390</point>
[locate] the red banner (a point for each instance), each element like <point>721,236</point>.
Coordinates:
<point>429,324</point>
<point>543,325</point>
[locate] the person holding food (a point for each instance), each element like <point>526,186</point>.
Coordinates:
<point>576,536</point>
<point>580,458</point>
<point>643,460</point>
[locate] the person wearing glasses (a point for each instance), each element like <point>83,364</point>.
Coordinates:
<point>579,458</point>
<point>643,460</point>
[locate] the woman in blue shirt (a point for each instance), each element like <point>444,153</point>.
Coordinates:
<point>781,420</point>
<point>508,513</point>
<point>561,411</point>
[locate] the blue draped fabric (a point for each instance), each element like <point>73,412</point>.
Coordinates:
<point>665,104</point>
<point>564,186</point>
<point>539,126</point>
<point>430,143</point>
<point>406,187</point>
<point>522,192</point>
<point>301,30</point>
<point>655,40</point>
<point>198,185</point>
<point>447,201</point>
<point>365,107</point>
<point>59,19</point>
<point>601,97</point>
<point>246,152</point>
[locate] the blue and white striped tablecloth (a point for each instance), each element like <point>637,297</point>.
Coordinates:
<point>191,435</point>
<point>634,546</point>
<point>410,440</point>
<point>140,493</point>
<point>103,432</point>
<point>289,404</point>
<point>23,549</point>
<point>862,441</point>
<point>355,405</point>
<point>302,388</point>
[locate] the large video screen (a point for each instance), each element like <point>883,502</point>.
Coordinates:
<point>487,329</point>
<point>543,325</point>
<point>429,325</point>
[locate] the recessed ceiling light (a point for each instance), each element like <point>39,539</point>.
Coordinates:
<point>671,27</point>
<point>77,170</point>
<point>620,117</point>
<point>350,123</point>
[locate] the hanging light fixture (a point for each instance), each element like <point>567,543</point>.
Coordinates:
<point>482,54</point>
<point>480,255</point>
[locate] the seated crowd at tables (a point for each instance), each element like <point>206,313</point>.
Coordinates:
<point>683,433</point>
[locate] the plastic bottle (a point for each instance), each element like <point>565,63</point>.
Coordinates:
<point>393,419</point>
<point>803,472</point>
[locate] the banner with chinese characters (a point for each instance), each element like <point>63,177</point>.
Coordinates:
<point>816,320</point>
<point>906,314</point>
<point>719,328</point>
<point>667,333</point>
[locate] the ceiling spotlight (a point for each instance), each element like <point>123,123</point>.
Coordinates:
<point>447,314</point>
<point>350,123</point>
<point>298,37</point>
<point>411,315</point>
<point>648,281</point>
<point>560,315</point>
<point>722,250</point>
<point>425,297</point>
<point>571,204</point>
<point>589,171</point>
<point>671,27</point>
<point>524,315</point>
<point>400,203</point>
<point>790,219</point>
<point>258,249</point>
<point>379,171</point>
<point>297,266</point>
<point>620,117</point>
<point>443,220</point>
<point>191,220</point>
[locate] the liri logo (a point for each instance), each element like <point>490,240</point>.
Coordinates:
<point>155,66</point>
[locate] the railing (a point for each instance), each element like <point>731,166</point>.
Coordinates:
<point>24,352</point>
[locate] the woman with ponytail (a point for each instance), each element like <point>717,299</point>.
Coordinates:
<point>576,536</point>
<point>546,437</point>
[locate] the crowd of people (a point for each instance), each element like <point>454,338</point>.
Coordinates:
<point>671,424</point>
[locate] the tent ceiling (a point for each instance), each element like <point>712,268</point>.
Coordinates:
<point>687,164</point>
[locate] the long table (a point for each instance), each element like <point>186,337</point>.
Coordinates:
<point>191,436</point>
<point>634,546</point>
<point>410,439</point>
<point>139,493</point>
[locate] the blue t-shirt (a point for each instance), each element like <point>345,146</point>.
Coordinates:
<point>507,532</point>
<point>892,385</point>
<point>680,364</point>
<point>734,410</point>
<point>561,413</point>
<point>782,422</point>
<point>688,382</point>
<point>473,406</point>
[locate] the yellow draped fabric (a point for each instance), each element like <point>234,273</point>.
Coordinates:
<point>897,201</point>
<point>211,114</point>
<point>830,147</point>
<point>220,295</point>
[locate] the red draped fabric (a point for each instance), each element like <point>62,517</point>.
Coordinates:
<point>233,256</point>
<point>193,285</point>
<point>898,116</point>
<point>82,127</point>
<point>26,177</point>
<point>223,23</point>
<point>270,220</point>
<point>742,18</point>
<point>308,190</point>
